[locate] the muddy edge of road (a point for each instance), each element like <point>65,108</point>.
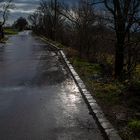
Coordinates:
<point>105,126</point>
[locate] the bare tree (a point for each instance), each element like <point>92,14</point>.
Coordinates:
<point>35,20</point>
<point>55,17</point>
<point>5,6</point>
<point>125,14</point>
<point>82,18</point>
<point>47,19</point>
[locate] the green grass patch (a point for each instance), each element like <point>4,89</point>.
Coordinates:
<point>132,130</point>
<point>134,125</point>
<point>108,93</point>
<point>10,31</point>
<point>85,68</point>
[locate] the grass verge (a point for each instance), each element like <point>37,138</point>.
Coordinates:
<point>119,101</point>
<point>10,31</point>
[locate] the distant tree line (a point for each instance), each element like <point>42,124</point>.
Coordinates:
<point>20,24</point>
<point>108,36</point>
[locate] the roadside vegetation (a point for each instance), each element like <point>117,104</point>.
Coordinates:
<point>119,100</point>
<point>10,31</point>
<point>5,6</point>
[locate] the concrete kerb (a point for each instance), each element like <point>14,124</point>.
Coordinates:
<point>106,127</point>
<point>56,48</point>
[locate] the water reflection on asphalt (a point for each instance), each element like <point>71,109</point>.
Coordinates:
<point>38,98</point>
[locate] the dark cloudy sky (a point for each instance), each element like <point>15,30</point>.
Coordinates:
<point>26,7</point>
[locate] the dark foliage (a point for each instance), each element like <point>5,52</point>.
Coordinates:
<point>21,24</point>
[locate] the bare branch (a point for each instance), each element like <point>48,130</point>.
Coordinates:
<point>95,3</point>
<point>7,5</point>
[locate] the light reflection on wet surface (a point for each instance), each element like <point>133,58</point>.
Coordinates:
<point>38,98</point>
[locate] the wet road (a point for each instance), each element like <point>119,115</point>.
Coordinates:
<point>38,98</point>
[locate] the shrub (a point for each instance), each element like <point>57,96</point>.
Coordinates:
<point>134,127</point>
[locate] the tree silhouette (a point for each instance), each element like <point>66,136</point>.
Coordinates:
<point>21,23</point>
<point>4,11</point>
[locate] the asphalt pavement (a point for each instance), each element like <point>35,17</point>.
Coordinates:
<point>39,99</point>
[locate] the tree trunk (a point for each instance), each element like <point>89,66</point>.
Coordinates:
<point>1,32</point>
<point>119,58</point>
<point>55,19</point>
<point>129,56</point>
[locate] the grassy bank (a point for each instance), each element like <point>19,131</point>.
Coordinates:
<point>10,31</point>
<point>120,101</point>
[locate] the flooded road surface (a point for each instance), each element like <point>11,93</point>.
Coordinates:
<point>38,98</point>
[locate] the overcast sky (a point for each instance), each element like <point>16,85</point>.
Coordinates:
<point>26,7</point>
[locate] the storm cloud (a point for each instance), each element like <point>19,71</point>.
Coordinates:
<point>25,7</point>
